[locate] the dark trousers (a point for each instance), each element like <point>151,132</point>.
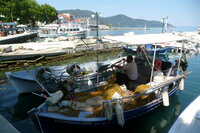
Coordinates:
<point>122,78</point>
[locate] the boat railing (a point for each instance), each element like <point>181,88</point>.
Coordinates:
<point>144,92</point>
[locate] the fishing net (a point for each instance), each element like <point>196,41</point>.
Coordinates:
<point>111,90</point>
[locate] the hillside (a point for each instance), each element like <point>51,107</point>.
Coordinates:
<point>77,12</point>
<point>117,20</point>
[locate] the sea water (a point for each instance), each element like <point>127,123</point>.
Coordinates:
<point>157,121</point>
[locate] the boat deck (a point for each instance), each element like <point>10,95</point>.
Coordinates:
<point>189,120</point>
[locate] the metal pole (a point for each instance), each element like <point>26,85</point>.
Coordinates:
<point>152,68</point>
<point>97,24</point>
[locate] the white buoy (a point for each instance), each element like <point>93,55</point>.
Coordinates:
<point>120,114</point>
<point>89,82</point>
<point>54,98</point>
<point>181,85</point>
<point>165,97</point>
<point>109,111</point>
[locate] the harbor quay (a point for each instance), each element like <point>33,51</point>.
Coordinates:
<point>14,56</point>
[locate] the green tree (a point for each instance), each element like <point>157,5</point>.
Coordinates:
<point>48,14</point>
<point>26,11</point>
<point>7,9</point>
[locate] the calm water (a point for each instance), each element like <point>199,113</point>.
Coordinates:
<point>157,121</point>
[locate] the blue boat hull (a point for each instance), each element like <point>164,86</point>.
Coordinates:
<point>51,124</point>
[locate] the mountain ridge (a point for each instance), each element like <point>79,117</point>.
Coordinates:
<point>119,20</point>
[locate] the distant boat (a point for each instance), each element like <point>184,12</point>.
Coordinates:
<point>68,30</point>
<point>148,49</point>
<point>51,31</point>
<point>189,119</point>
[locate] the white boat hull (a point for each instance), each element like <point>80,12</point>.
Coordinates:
<point>189,120</point>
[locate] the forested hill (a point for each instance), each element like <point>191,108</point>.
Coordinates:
<point>117,20</point>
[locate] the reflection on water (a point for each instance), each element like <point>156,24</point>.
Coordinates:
<point>157,121</point>
<point>24,104</point>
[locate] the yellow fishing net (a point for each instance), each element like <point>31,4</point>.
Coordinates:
<point>107,92</point>
<point>140,89</point>
<point>111,90</point>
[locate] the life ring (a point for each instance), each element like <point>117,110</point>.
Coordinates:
<point>157,65</point>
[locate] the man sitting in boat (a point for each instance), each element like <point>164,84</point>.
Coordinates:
<point>129,73</point>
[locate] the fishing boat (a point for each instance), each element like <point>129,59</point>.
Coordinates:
<point>189,119</point>
<point>106,104</point>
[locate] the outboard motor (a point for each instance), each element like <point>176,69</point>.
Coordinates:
<point>41,74</point>
<point>73,69</point>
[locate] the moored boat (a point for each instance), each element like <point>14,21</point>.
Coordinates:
<point>56,30</point>
<point>28,81</point>
<point>108,104</point>
<point>189,119</point>
<point>148,48</point>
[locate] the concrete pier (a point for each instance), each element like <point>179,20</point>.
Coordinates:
<point>38,49</point>
<point>6,127</point>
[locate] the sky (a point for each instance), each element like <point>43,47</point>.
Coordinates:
<point>179,12</point>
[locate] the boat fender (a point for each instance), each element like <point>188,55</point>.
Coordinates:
<point>54,98</point>
<point>119,114</point>
<point>109,111</point>
<point>181,84</point>
<point>165,96</point>
<point>90,82</point>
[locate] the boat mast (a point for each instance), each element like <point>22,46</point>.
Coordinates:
<point>97,24</point>
<point>164,29</point>
<point>97,31</point>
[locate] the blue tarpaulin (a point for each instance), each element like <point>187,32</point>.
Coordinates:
<point>9,23</point>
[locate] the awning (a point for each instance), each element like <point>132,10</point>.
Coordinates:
<point>21,26</point>
<point>146,38</point>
